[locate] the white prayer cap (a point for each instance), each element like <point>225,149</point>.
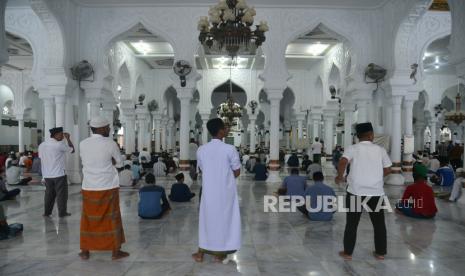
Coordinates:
<point>98,121</point>
<point>460,170</point>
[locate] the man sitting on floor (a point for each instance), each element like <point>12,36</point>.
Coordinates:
<point>294,184</point>
<point>180,192</point>
<point>318,192</point>
<point>13,175</point>
<point>149,200</point>
<point>159,168</point>
<point>422,196</point>
<point>125,177</point>
<point>444,176</point>
<point>4,193</point>
<point>8,231</point>
<point>261,173</point>
<point>312,169</point>
<point>458,185</point>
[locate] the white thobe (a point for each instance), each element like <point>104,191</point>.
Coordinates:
<point>219,219</point>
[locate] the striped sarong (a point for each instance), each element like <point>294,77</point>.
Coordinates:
<point>101,226</point>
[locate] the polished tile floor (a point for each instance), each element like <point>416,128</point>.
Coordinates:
<point>273,244</point>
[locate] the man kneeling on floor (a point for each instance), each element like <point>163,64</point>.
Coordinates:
<point>180,192</point>
<point>150,196</point>
<point>423,205</point>
<point>318,192</point>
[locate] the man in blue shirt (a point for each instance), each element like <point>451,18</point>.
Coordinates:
<point>150,198</point>
<point>444,175</point>
<point>260,171</point>
<point>319,191</point>
<point>180,192</point>
<point>294,184</point>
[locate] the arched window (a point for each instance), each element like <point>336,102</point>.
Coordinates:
<point>7,109</point>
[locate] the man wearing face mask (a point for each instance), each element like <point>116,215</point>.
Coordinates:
<point>101,226</point>
<point>52,153</point>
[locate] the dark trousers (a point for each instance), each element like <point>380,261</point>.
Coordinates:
<point>456,163</point>
<point>317,158</point>
<point>377,219</point>
<point>56,188</point>
<point>10,194</point>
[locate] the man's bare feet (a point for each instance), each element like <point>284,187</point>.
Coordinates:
<point>46,216</point>
<point>119,255</point>
<point>378,257</point>
<point>345,256</point>
<point>84,254</point>
<point>218,259</point>
<point>198,257</point>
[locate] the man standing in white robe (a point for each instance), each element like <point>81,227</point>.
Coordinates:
<point>219,218</point>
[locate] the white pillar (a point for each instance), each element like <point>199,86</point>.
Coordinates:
<point>185,96</point>
<point>252,126</point>
<point>49,116</point>
<point>20,119</point>
<point>108,113</point>
<point>396,178</point>
<point>164,125</point>
<point>362,110</point>
<point>300,129</point>
<point>348,121</point>
<point>433,128</point>
<point>170,134</point>
<point>157,125</point>
<point>287,134</point>
<point>94,105</point>
<point>129,131</point>
<point>274,97</point>
<point>60,102</point>
<point>316,125</point>
<point>407,165</point>
<point>329,133</point>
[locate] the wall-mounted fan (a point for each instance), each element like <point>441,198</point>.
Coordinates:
<point>153,106</point>
<point>376,73</point>
<point>182,68</point>
<point>82,72</point>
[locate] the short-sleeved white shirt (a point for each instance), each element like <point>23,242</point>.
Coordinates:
<point>52,154</point>
<point>317,147</point>
<point>367,161</point>
<point>97,167</point>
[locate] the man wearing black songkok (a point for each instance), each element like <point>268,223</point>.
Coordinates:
<point>52,154</point>
<point>369,163</point>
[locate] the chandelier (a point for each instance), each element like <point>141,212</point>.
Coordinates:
<point>457,116</point>
<point>229,110</point>
<point>230,29</point>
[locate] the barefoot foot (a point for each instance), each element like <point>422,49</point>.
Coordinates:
<point>378,257</point>
<point>198,257</point>
<point>84,254</point>
<point>345,256</point>
<point>119,255</point>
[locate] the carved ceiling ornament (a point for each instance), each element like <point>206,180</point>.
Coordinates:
<point>55,41</point>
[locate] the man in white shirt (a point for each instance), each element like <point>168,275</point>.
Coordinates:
<point>22,158</point>
<point>13,175</point>
<point>219,216</point>
<point>369,163</point>
<point>193,152</point>
<point>146,154</point>
<point>159,168</point>
<point>52,154</point>
<point>317,148</point>
<point>101,226</point>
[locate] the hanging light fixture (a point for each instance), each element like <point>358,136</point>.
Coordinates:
<point>228,28</point>
<point>457,116</point>
<point>229,111</point>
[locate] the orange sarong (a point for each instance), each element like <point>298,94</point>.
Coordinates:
<point>101,226</point>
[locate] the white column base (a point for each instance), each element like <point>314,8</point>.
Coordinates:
<point>408,177</point>
<point>273,177</point>
<point>395,179</point>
